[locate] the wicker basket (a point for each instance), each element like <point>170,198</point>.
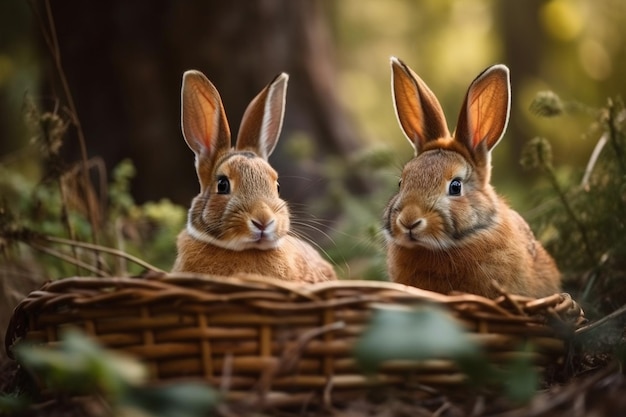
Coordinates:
<point>274,341</point>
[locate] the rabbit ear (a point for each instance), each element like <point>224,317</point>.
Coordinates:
<point>418,110</point>
<point>203,120</point>
<point>485,112</point>
<point>263,119</point>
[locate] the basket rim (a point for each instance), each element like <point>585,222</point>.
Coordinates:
<point>273,293</point>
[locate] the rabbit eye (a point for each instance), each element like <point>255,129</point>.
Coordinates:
<point>277,186</point>
<point>223,185</point>
<point>455,187</point>
<point>400,183</point>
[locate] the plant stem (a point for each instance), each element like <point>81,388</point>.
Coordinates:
<point>613,134</point>
<point>50,37</point>
<point>111,251</point>
<point>65,218</point>
<point>66,258</point>
<point>568,208</point>
<point>56,54</point>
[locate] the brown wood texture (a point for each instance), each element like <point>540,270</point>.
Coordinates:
<point>253,335</point>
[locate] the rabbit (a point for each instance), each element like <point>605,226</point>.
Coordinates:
<point>446,229</point>
<point>238,224</point>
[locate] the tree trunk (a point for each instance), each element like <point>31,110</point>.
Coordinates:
<point>124,62</point>
<point>524,43</point>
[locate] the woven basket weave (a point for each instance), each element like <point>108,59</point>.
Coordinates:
<point>280,342</point>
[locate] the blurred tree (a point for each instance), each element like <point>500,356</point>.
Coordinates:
<point>124,62</point>
<point>523,42</point>
<point>574,47</point>
<point>18,70</point>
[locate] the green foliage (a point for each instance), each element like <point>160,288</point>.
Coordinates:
<point>547,104</point>
<point>585,223</point>
<point>79,366</point>
<point>416,334</point>
<point>12,403</point>
<point>76,365</point>
<point>148,230</point>
<point>518,379</point>
<point>429,332</point>
<point>49,202</point>
<point>521,378</point>
<point>357,243</point>
<point>122,201</point>
<point>175,400</point>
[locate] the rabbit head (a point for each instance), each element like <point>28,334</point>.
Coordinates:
<point>444,195</point>
<point>238,206</point>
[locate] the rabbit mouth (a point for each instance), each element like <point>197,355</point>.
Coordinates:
<point>263,240</point>
<point>263,234</point>
<point>410,239</point>
<point>413,240</point>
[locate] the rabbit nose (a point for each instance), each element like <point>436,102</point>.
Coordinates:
<point>412,225</point>
<point>262,225</point>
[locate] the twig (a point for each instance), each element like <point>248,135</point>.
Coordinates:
<point>619,153</point>
<point>544,403</point>
<point>227,373</point>
<point>50,37</point>
<point>442,409</point>
<point>569,210</point>
<point>98,248</point>
<point>65,218</point>
<point>290,356</point>
<point>67,258</point>
<point>601,321</point>
<point>593,159</point>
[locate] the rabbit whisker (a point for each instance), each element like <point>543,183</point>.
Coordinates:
<point>311,242</point>
<point>317,229</point>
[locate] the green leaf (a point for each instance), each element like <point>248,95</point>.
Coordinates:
<point>11,403</point>
<point>78,365</point>
<point>521,379</point>
<point>479,370</point>
<point>425,332</point>
<point>175,400</point>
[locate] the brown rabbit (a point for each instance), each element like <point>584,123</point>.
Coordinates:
<point>446,228</point>
<point>238,223</point>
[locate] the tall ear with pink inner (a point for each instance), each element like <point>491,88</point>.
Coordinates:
<point>262,121</point>
<point>485,111</point>
<point>419,113</point>
<point>203,121</point>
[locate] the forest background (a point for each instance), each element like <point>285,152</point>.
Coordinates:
<point>341,150</point>
<point>91,153</point>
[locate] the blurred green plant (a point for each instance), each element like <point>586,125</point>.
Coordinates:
<point>430,333</point>
<point>357,246</point>
<point>81,227</point>
<point>78,366</point>
<point>412,334</point>
<point>584,226</point>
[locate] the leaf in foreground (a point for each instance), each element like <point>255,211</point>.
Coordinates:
<point>425,332</point>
